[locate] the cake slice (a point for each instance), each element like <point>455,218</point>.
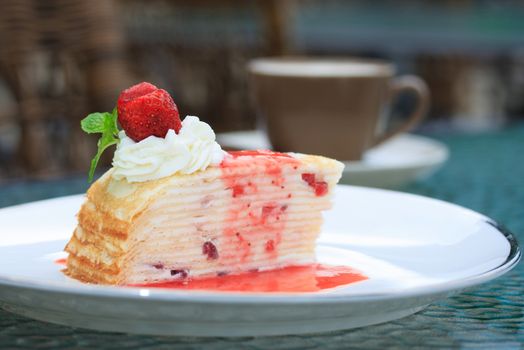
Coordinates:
<point>255,210</point>
<point>176,207</point>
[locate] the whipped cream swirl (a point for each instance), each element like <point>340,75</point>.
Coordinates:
<point>194,148</point>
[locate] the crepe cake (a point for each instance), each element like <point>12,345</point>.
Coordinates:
<point>252,211</point>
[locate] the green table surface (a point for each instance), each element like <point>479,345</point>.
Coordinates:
<point>485,173</point>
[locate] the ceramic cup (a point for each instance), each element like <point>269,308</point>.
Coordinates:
<point>332,107</point>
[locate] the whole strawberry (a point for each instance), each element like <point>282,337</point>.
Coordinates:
<point>145,110</point>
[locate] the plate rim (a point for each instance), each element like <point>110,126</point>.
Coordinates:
<point>160,295</point>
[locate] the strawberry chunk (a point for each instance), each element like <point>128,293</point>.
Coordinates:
<point>320,187</point>
<point>210,250</point>
<point>144,110</point>
<point>182,273</point>
<point>309,178</point>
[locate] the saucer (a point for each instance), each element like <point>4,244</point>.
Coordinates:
<point>392,164</point>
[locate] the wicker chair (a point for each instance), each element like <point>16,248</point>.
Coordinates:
<point>64,58</point>
<point>59,58</point>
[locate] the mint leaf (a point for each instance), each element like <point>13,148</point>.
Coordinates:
<point>106,124</point>
<point>93,123</point>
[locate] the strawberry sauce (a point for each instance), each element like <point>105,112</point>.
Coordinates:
<point>296,279</point>
<point>62,261</point>
<point>266,219</point>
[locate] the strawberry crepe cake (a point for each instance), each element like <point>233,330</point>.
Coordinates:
<point>175,206</point>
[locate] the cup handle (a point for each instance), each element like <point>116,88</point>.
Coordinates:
<point>413,84</point>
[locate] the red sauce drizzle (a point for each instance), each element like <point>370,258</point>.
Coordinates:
<point>62,261</point>
<point>267,220</point>
<point>297,279</point>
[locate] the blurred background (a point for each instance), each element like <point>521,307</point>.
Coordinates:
<point>61,59</point>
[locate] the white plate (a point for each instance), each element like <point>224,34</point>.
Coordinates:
<point>393,164</point>
<point>414,250</point>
